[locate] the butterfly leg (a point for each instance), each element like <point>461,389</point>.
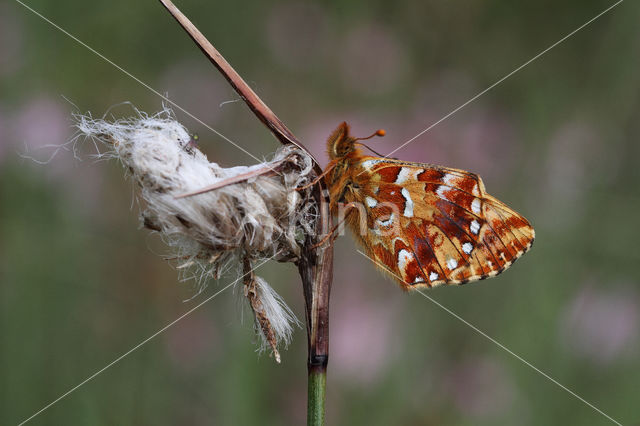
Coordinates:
<point>316,180</point>
<point>333,234</point>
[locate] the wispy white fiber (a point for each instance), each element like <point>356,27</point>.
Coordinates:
<point>280,316</point>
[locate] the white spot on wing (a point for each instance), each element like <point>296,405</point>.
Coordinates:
<point>448,178</point>
<point>371,202</point>
<point>441,191</point>
<point>404,258</point>
<point>387,222</point>
<point>407,173</point>
<point>433,276</point>
<point>408,205</point>
<point>475,227</point>
<point>370,163</point>
<point>451,264</point>
<point>475,205</point>
<point>467,248</point>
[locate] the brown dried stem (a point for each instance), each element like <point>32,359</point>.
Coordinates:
<point>315,264</point>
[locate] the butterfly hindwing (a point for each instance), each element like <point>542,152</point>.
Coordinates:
<point>431,225</point>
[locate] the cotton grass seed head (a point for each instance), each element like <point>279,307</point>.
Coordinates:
<point>259,216</point>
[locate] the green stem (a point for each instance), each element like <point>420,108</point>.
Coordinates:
<point>316,394</point>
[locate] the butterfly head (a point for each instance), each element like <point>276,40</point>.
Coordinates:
<point>341,143</point>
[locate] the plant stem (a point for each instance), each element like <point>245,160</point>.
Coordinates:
<point>316,263</point>
<point>316,395</point>
<point>316,271</point>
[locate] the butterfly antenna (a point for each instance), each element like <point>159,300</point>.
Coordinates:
<point>371,149</point>
<point>379,132</point>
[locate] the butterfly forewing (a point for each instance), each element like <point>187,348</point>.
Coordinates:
<point>430,225</point>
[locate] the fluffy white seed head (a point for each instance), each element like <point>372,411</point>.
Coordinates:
<point>262,217</point>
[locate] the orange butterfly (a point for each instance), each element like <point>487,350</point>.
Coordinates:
<point>429,225</point>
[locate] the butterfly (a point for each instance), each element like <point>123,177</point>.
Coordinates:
<point>423,224</point>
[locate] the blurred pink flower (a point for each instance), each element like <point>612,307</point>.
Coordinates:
<point>297,34</point>
<point>488,146</point>
<point>480,140</point>
<point>577,158</point>
<point>39,130</point>
<point>363,334</point>
<point>480,387</point>
<point>42,121</point>
<point>602,325</point>
<point>435,99</point>
<point>372,60</point>
<point>315,133</point>
<point>484,143</point>
<point>567,162</point>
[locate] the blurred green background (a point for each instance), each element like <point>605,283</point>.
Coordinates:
<point>81,284</point>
